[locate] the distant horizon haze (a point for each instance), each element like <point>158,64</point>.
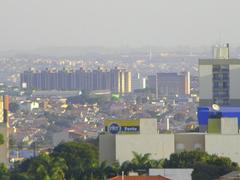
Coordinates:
<point>28,25</point>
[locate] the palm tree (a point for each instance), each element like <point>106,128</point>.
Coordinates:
<point>38,167</point>
<point>115,169</point>
<point>58,168</point>
<point>102,171</point>
<point>126,167</point>
<point>141,163</point>
<point>47,167</point>
<point>156,163</point>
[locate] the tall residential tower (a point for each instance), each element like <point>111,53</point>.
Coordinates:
<point>219,87</point>
<point>219,79</point>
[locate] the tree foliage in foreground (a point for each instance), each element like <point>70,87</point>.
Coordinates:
<point>43,167</point>
<point>206,167</point>
<point>79,160</point>
<point>3,171</point>
<point>1,139</point>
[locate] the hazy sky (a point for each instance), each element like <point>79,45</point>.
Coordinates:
<point>27,24</point>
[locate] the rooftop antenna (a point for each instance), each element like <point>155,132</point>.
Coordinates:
<point>220,38</point>
<point>228,50</point>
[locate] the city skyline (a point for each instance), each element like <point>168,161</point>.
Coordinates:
<point>119,89</point>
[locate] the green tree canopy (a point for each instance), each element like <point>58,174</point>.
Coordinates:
<point>185,159</point>
<point>43,167</point>
<point>3,171</point>
<point>141,162</point>
<point>103,170</point>
<point>206,167</point>
<point>80,158</point>
<point>1,139</point>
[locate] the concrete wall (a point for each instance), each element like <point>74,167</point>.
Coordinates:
<point>148,126</point>
<point>205,81</point>
<point>159,146</point>
<point>214,125</point>
<point>107,148</point>
<point>173,174</point>
<point>234,74</point>
<point>189,142</point>
<point>223,145</point>
<point>229,125</point>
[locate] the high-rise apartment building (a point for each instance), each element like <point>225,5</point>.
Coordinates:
<point>138,82</point>
<point>219,79</point>
<point>121,80</point>
<point>172,85</point>
<point>152,82</point>
<point>117,80</point>
<point>127,81</point>
<point>219,84</point>
<point>101,79</point>
<point>4,129</point>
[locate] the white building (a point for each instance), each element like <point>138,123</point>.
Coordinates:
<point>120,146</point>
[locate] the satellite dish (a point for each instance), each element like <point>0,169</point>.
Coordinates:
<point>216,107</point>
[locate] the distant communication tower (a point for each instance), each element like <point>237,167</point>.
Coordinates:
<point>150,54</point>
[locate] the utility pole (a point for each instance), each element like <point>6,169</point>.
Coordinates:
<point>122,175</point>
<point>34,149</point>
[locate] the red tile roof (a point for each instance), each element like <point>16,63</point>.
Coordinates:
<point>139,178</point>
